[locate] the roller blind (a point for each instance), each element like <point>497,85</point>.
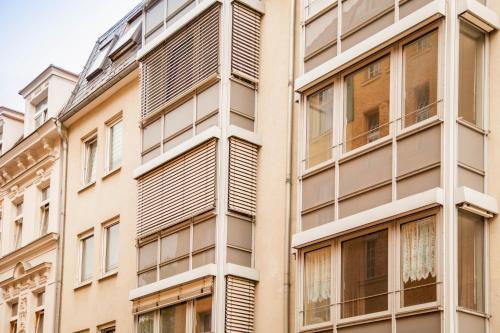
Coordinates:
<point>179,189</point>
<point>187,58</point>
<point>245,42</point>
<point>242,176</point>
<point>240,303</point>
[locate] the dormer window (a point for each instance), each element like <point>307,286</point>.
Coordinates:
<point>41,110</point>
<point>129,38</point>
<point>99,59</point>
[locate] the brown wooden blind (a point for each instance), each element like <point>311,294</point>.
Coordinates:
<point>242,176</point>
<point>240,303</point>
<point>245,42</point>
<point>177,190</point>
<point>187,58</point>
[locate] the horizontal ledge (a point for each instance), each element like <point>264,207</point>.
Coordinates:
<point>434,196</point>
<point>242,272</point>
<point>424,15</point>
<point>481,203</point>
<point>212,132</point>
<point>174,281</point>
<point>256,5</point>
<point>245,135</point>
<point>479,15</point>
<point>176,26</point>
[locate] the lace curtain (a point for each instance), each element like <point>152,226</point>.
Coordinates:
<point>318,275</point>
<point>418,250</point>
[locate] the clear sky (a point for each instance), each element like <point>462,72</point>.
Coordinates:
<point>37,33</point>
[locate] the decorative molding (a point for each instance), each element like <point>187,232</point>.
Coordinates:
<point>31,279</point>
<point>34,248</point>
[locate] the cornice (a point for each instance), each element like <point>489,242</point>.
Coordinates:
<point>29,250</point>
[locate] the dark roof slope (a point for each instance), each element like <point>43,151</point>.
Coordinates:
<point>89,88</point>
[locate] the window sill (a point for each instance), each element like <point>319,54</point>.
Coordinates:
<point>418,309</point>
<point>112,172</point>
<point>363,319</point>
<point>86,187</point>
<point>473,312</point>
<point>82,285</point>
<point>108,275</point>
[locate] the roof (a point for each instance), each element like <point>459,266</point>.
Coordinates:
<point>95,79</point>
<point>11,113</point>
<point>51,69</point>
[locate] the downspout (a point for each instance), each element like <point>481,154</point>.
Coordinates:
<point>63,164</point>
<point>288,195</point>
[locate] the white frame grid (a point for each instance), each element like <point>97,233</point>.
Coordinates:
<point>86,142</point>
<point>107,154</point>
<point>79,271</point>
<point>44,210</point>
<point>104,246</point>
<point>39,308</point>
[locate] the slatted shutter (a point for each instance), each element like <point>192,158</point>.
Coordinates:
<point>245,42</point>
<point>240,303</point>
<point>187,58</point>
<point>177,190</point>
<point>242,176</point>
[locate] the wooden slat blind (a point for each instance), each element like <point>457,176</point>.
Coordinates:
<point>182,61</point>
<point>245,42</point>
<point>242,176</point>
<point>240,303</point>
<point>178,190</point>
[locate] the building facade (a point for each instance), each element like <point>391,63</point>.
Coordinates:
<point>31,168</point>
<point>394,196</point>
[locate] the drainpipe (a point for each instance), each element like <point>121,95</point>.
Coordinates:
<point>288,198</point>
<point>63,164</point>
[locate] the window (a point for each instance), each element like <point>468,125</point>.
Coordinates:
<point>365,274</point>
<point>319,126</point>
<point>471,69</point>
<point>115,145</point>
<point>471,277</point>
<point>317,286</point>
<point>420,61</point>
<point>109,328</point>
<point>111,247</point>
<point>90,159</point>
<point>44,211</point>
<point>14,307</point>
<point>418,262</point>
<point>367,93</point>
<point>41,113</point>
<point>173,252</point>
<point>18,225</point>
<point>86,251</point>
<point>39,311</point>
<point>177,318</point>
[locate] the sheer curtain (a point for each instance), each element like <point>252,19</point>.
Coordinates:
<point>317,286</point>
<point>418,250</point>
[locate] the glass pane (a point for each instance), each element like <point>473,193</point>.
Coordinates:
<point>367,93</point>
<point>147,277</point>
<point>203,312</point>
<point>45,193</point>
<point>174,5</point>
<point>175,245</point>
<point>90,172</point>
<point>146,323</point>
<point>87,262</point>
<point>420,79</point>
<point>179,118</point>
<point>204,234</point>
<point>151,134</point>
<point>14,309</point>
<point>319,126</point>
<point>357,12</point>
<point>470,261</point>
<point>418,262</point>
<point>154,16</point>
<point>321,32</point>
<point>174,268</point>
<point>470,106</point>
<point>44,220</point>
<point>173,319</point>
<point>115,147</point>
<point>148,255</point>
<point>204,258</point>
<point>317,286</point>
<point>364,274</point>
<point>315,6</point>
<point>112,233</point>
<point>39,322</point>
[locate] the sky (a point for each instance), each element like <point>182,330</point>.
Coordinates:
<point>37,33</point>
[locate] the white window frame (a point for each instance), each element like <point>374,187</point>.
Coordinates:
<point>104,236</point>
<point>18,224</point>
<point>394,272</point>
<point>109,125</point>
<point>86,142</point>
<point>44,210</point>
<point>43,112</point>
<point>81,238</point>
<point>39,309</point>
<point>14,319</point>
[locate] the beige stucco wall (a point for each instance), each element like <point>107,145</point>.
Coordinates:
<point>103,300</point>
<point>272,128</point>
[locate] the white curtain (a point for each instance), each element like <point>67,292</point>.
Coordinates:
<point>318,275</point>
<point>418,250</point>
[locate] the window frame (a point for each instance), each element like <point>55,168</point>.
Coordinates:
<point>104,271</point>
<point>39,309</point>
<point>18,224</point>
<point>394,271</point>
<point>82,237</point>
<point>86,142</point>
<point>108,167</point>
<point>42,112</point>
<point>44,210</point>
<point>13,319</point>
